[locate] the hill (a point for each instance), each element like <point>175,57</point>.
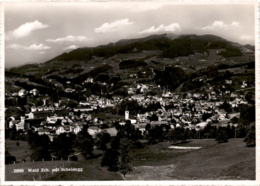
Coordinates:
<point>145,59</point>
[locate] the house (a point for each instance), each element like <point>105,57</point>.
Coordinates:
<point>89,80</point>
<point>200,126</point>
<point>133,121</point>
<point>138,98</point>
<point>30,115</point>
<point>141,118</point>
<point>84,103</point>
<point>228,81</point>
<point>122,123</point>
<point>131,91</point>
<point>167,94</point>
<point>143,88</point>
<point>93,130</point>
<point>34,92</point>
<point>153,123</point>
<point>20,125</point>
<point>54,119</point>
<point>43,131</point>
<point>22,93</point>
<point>60,130</point>
<point>83,109</point>
<point>244,84</point>
<point>13,123</point>
<point>33,109</point>
<point>112,131</point>
<point>69,90</point>
<point>76,129</point>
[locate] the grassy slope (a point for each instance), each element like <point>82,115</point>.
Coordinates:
<point>92,169</point>
<point>222,161</point>
<point>229,161</point>
<point>21,152</point>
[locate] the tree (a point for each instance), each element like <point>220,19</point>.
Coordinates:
<point>153,117</point>
<point>179,135</point>
<point>9,159</point>
<point>74,158</point>
<point>102,140</point>
<point>250,136</point>
<point>222,136</point>
<point>206,116</point>
<point>85,142</point>
<point>115,142</point>
<point>155,135</point>
<point>125,166</point>
<point>13,133</point>
<point>226,106</point>
<point>241,131</point>
<point>247,115</point>
<point>63,146</point>
<point>111,160</point>
<point>41,146</point>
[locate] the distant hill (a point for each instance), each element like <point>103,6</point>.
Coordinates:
<point>146,59</point>
<point>171,47</point>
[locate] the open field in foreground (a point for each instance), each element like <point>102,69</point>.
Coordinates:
<point>228,161</point>
<point>21,151</point>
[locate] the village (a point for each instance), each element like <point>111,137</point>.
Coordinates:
<point>187,110</point>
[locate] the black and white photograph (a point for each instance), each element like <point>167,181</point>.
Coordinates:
<point>129,91</point>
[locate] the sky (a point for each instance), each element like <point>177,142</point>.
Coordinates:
<point>37,32</point>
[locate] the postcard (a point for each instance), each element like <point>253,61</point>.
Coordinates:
<point>129,93</point>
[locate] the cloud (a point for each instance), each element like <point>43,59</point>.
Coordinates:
<point>220,25</point>
<point>71,47</point>
<point>162,28</point>
<point>35,47</point>
<point>69,38</point>
<point>27,28</point>
<point>113,26</point>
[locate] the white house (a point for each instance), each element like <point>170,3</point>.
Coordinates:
<point>76,129</point>
<point>20,125</point>
<point>201,126</point>
<point>60,130</point>
<point>30,115</point>
<point>93,131</point>
<point>34,92</point>
<point>22,92</point>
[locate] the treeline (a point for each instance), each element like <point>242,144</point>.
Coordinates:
<point>181,46</point>
<point>170,77</point>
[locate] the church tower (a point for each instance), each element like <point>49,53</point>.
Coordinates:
<point>126,115</point>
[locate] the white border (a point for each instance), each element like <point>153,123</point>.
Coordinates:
<point>2,93</point>
<point>206,182</point>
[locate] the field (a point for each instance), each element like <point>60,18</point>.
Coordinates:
<point>228,161</point>
<point>21,151</point>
